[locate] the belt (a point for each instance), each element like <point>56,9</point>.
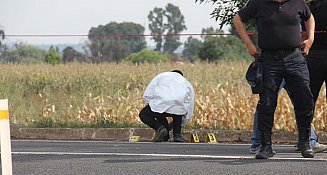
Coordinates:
<point>282,52</point>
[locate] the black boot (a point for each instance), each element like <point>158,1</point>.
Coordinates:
<point>179,138</point>
<point>166,138</point>
<point>265,150</point>
<point>160,133</point>
<point>303,145</point>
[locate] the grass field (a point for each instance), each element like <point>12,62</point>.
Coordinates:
<point>110,95</point>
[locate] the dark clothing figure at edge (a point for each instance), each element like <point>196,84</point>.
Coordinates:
<point>278,24</point>
<point>317,64</point>
<point>317,57</point>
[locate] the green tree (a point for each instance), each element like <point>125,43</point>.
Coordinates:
<point>23,53</point>
<point>169,22</point>
<point>225,10</point>
<point>210,31</point>
<point>191,48</point>
<point>210,50</point>
<point>53,56</point>
<point>115,41</point>
<point>223,48</point>
<point>147,56</point>
<point>156,26</point>
<point>69,54</point>
<point>175,25</point>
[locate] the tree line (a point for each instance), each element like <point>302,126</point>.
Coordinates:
<point>117,42</point>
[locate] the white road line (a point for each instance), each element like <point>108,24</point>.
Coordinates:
<point>163,155</point>
<point>122,142</point>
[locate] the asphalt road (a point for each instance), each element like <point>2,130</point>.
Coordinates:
<point>123,158</point>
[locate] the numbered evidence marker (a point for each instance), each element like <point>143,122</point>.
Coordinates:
<point>194,138</point>
<point>210,138</point>
<point>133,138</point>
<point>6,161</point>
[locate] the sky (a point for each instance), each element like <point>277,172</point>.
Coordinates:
<point>65,17</point>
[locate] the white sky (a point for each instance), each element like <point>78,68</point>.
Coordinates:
<point>19,17</point>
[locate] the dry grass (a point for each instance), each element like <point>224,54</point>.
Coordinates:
<point>110,95</point>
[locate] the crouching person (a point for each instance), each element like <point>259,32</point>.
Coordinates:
<point>169,94</point>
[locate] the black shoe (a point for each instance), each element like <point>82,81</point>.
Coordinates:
<point>166,138</point>
<point>179,138</point>
<point>305,149</point>
<point>303,144</point>
<point>307,153</point>
<point>265,152</point>
<point>160,133</point>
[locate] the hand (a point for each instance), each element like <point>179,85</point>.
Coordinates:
<point>306,45</point>
<point>253,50</point>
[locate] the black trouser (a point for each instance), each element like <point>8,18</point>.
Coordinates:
<point>155,119</point>
<point>317,64</point>
<point>293,68</point>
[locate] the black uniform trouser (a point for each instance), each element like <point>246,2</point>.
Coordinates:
<point>317,64</point>
<point>155,119</point>
<point>293,68</point>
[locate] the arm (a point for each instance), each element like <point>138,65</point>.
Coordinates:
<point>310,27</point>
<point>149,91</point>
<point>188,116</point>
<point>240,28</point>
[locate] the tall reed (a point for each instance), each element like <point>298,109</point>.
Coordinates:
<point>110,95</point>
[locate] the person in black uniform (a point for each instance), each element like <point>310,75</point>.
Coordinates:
<point>278,24</point>
<point>317,58</point>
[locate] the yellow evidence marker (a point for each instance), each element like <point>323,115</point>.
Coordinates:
<point>210,138</point>
<point>194,138</point>
<point>133,138</point>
